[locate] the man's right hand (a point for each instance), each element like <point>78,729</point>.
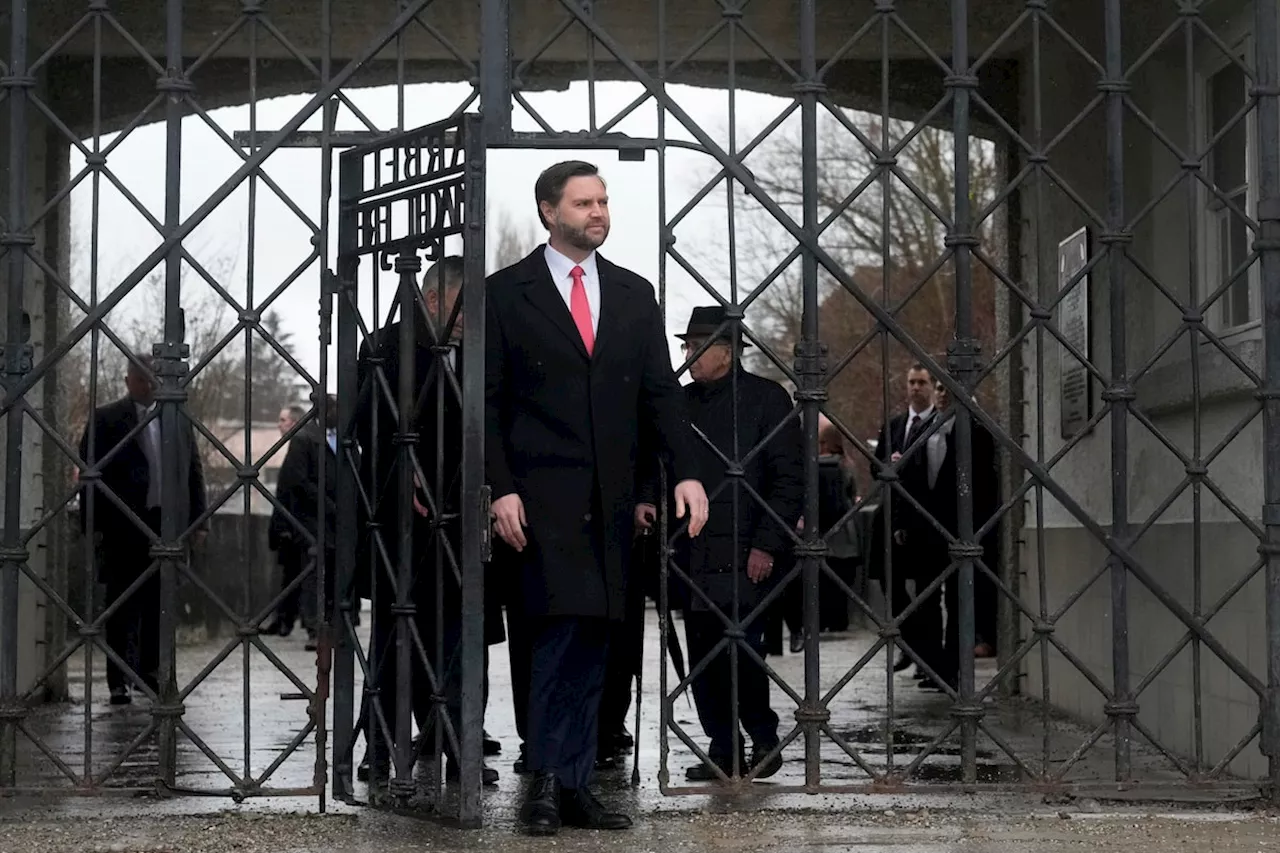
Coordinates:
<point>646,515</point>
<point>509,520</point>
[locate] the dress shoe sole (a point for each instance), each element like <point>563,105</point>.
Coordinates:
<point>540,831</point>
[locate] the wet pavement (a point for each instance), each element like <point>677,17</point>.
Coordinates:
<point>247,713</point>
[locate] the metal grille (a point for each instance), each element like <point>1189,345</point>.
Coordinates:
<point>993,79</point>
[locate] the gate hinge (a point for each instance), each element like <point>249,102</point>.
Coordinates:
<point>486,526</point>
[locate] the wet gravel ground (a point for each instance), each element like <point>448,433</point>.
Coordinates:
<point>892,831</point>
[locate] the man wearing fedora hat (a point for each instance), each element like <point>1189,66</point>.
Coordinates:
<point>744,548</point>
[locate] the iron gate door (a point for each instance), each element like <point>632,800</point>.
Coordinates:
<point>413,513</point>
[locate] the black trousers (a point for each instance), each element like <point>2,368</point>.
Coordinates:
<point>520,655</point>
<point>568,657</point>
<point>713,688</point>
<point>133,629</point>
<point>301,600</point>
<point>938,628</point>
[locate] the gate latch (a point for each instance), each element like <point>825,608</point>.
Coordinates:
<point>486,525</point>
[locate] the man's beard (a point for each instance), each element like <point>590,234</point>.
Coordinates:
<point>580,238</point>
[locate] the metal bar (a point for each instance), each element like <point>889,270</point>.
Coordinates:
<point>962,363</point>
<point>475,509</point>
<point>169,368</point>
<point>126,284</point>
<point>407,267</point>
<point>1266,38</point>
<point>346,287</point>
<point>1119,394</point>
<point>495,70</point>
<point>16,358</point>
<point>813,714</point>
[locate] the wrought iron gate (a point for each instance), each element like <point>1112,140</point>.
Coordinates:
<point>1170,375</point>
<point>413,528</point>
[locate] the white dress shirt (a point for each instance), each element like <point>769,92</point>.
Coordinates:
<point>561,267</point>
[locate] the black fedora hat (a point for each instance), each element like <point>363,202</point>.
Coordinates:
<point>707,321</point>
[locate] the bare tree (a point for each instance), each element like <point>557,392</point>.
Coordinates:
<point>887,229</point>
<point>511,240</point>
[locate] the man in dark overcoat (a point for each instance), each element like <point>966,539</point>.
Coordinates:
<point>940,645</point>
<point>576,363</point>
<point>302,493</point>
<point>129,464</point>
<point>731,565</point>
<point>437,422</point>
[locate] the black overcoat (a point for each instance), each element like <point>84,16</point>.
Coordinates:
<point>562,429</point>
<point>436,420</point>
<point>127,474</point>
<point>771,441</point>
<point>913,475</point>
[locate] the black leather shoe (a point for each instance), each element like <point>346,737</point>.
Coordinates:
<point>521,765</point>
<point>903,663</point>
<point>797,642</point>
<point>581,809</point>
<point>705,773</point>
<point>760,759</point>
<point>120,696</point>
<point>491,746</point>
<point>541,811</point>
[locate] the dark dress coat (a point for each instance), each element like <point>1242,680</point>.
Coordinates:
<point>437,420</point>
<point>562,430</point>
<point>127,474</point>
<point>943,505</point>
<point>913,475</point>
<point>298,489</point>
<point>775,472</point>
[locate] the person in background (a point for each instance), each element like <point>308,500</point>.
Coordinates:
<point>303,494</point>
<point>281,538</point>
<point>133,474</point>
<point>898,436</point>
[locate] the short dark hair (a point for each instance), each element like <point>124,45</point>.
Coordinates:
<point>550,184</point>
<point>297,412</point>
<point>918,366</point>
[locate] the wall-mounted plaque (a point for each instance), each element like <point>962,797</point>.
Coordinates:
<point>1075,388</point>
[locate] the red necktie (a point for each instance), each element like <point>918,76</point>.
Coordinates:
<point>581,310</point>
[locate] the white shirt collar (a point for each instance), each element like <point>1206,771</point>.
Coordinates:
<point>924,413</point>
<point>561,266</point>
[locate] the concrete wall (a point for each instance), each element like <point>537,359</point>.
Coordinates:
<point>1190,539</point>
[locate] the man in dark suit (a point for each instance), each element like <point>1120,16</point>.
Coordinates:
<point>302,493</point>
<point>942,652</point>
<point>576,362</point>
<point>902,432</point>
<point>129,465</point>
<point>436,419</point>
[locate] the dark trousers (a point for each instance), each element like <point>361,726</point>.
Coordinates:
<point>520,654</point>
<point>566,681</point>
<point>133,629</point>
<point>446,664</point>
<point>301,600</point>
<point>713,689</point>
<point>938,629</point>
<point>916,628</point>
<point>986,598</point>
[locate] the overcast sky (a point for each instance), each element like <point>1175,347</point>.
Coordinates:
<point>281,240</point>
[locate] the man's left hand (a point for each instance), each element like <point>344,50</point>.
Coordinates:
<point>691,498</point>
<point>759,565</point>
